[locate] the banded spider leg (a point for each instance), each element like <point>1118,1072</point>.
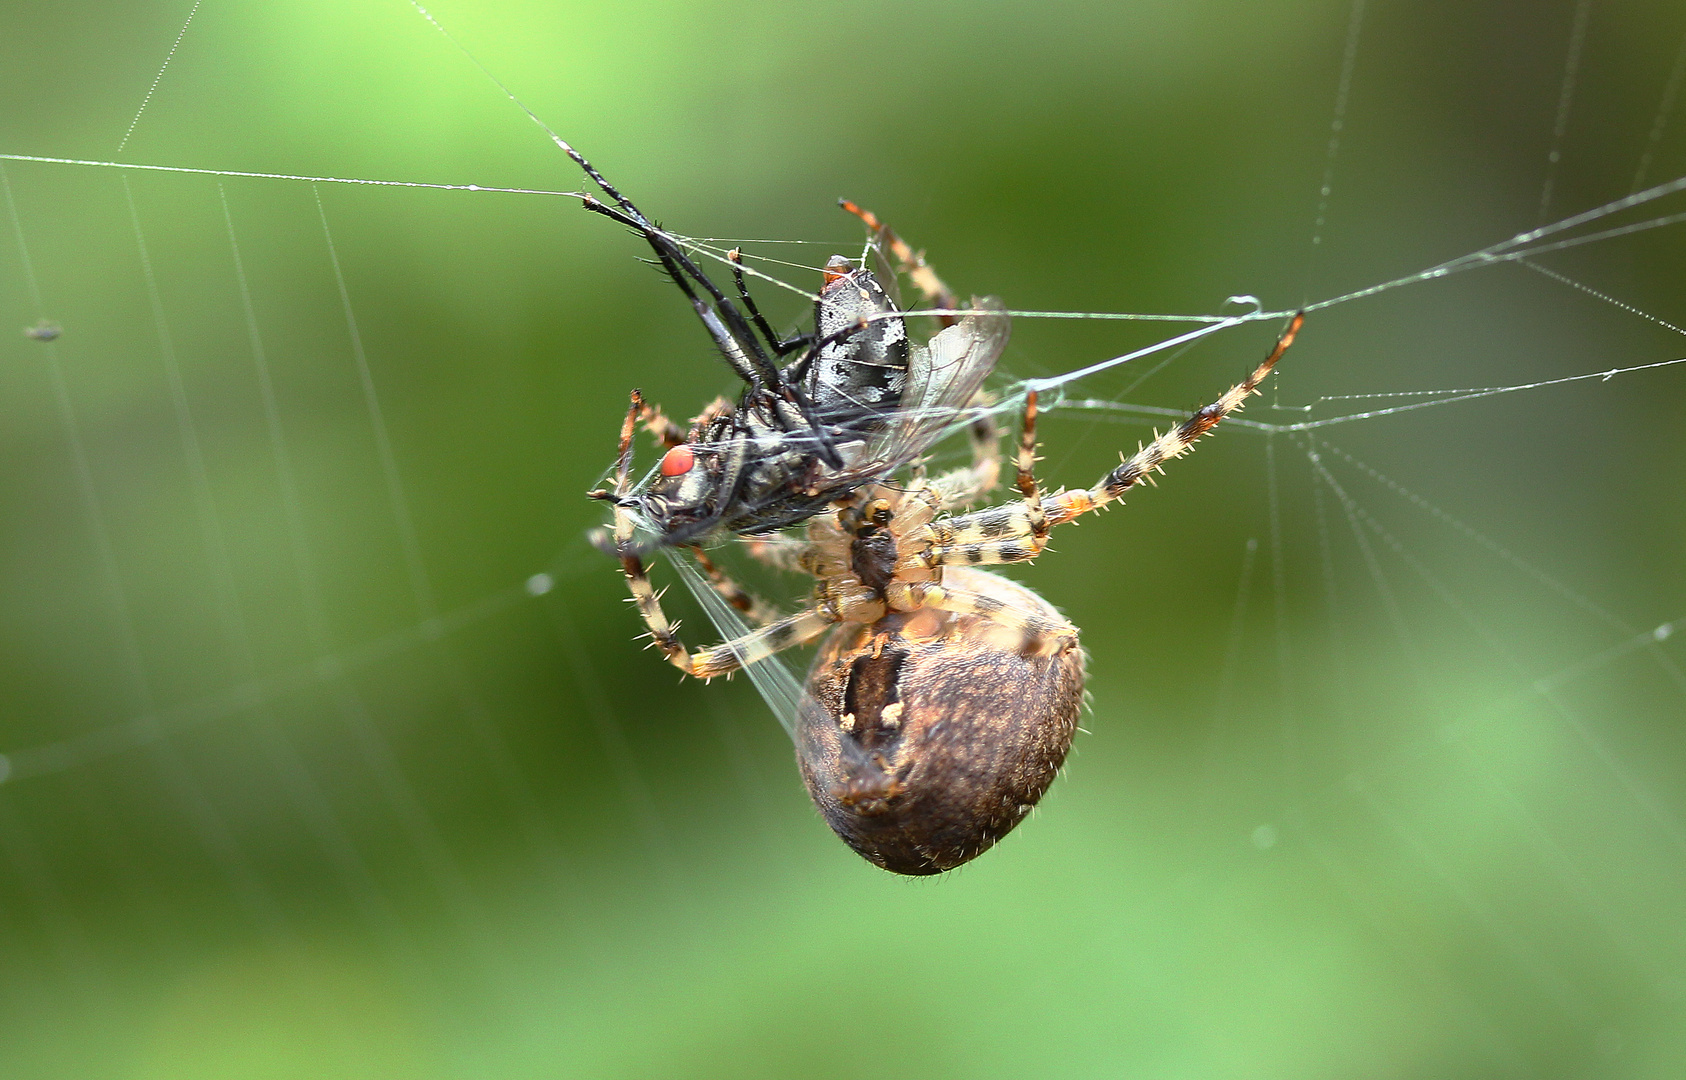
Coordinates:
<point>1018,531</point>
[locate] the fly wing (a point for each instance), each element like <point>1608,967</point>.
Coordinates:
<point>942,378</point>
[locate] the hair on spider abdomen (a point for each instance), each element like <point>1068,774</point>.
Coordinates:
<point>927,736</point>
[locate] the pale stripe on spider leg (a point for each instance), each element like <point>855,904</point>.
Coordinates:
<point>753,608</point>
<point>663,633</point>
<point>1035,519</point>
<point>722,659</point>
<point>757,645</point>
<point>1017,531</point>
<point>1040,633</point>
<point>1173,444</point>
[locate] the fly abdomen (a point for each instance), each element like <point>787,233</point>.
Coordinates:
<point>857,380</point>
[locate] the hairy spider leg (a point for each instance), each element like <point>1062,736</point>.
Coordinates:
<point>1009,532</point>
<point>962,486</point>
<point>667,433</point>
<point>1036,520</point>
<point>912,263</point>
<point>623,454</point>
<point>1036,633</point>
<point>752,607</point>
<point>644,596</point>
<point>723,659</point>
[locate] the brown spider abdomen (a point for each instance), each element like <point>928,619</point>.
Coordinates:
<point>926,736</point>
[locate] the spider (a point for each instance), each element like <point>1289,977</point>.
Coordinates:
<point>944,700</point>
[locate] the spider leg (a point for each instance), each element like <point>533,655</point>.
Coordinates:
<point>1037,633</point>
<point>1173,444</point>
<point>755,609</point>
<point>1025,467</point>
<point>623,464</point>
<point>778,550</point>
<point>912,263</point>
<point>778,634</point>
<point>1018,531</point>
<point>666,432</point>
<point>964,486</point>
<point>757,645</point>
<point>623,456</point>
<point>727,657</point>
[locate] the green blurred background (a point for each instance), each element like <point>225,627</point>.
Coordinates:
<point>305,783</point>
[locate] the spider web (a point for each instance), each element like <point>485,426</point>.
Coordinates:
<point>323,718</point>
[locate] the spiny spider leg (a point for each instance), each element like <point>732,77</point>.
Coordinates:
<point>912,262</point>
<point>623,456</point>
<point>669,434</point>
<point>1042,635</point>
<point>1025,466</point>
<point>723,659</point>
<point>962,486</point>
<point>665,431</point>
<point>1009,532</point>
<point>753,608</point>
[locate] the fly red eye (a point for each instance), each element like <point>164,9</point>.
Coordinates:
<point>678,461</point>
